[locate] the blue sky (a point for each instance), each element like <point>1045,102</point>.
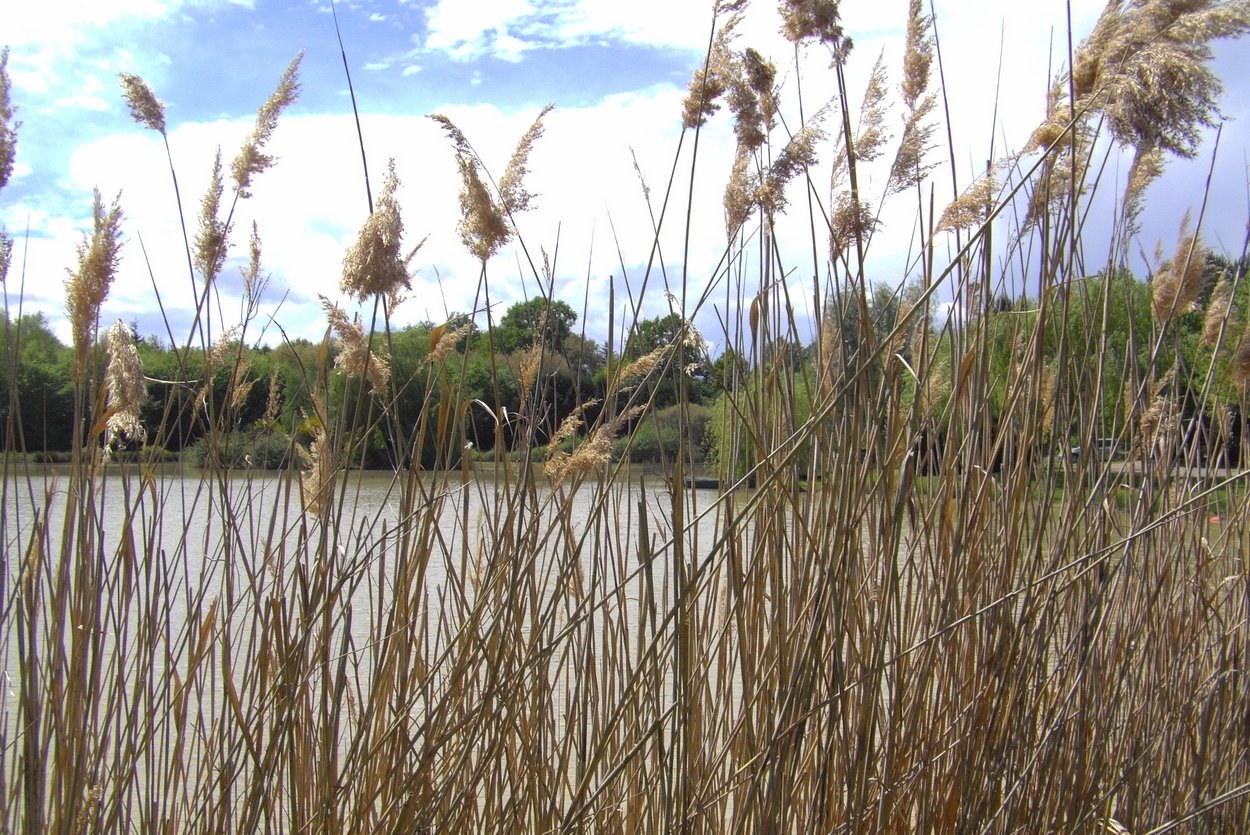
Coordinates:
<point>616,72</point>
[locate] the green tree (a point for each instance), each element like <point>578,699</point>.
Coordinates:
<point>519,327</point>
<point>36,386</point>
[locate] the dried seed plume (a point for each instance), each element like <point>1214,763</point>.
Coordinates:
<point>126,387</point>
<point>89,284</point>
<point>145,108</point>
<point>374,264</point>
<point>252,159</point>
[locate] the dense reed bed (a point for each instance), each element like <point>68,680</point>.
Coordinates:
<point>926,612</point>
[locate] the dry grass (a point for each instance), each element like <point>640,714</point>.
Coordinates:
<point>851,646</point>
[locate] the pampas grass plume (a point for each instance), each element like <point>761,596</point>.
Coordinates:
<point>89,284</point>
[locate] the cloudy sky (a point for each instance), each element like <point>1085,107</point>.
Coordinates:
<point>617,73</point>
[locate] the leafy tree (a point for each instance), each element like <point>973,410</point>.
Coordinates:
<point>519,327</point>
<point>36,386</point>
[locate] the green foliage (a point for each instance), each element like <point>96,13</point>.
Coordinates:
<point>519,327</point>
<point>36,386</point>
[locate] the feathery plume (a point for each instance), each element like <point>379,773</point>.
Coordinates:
<point>1217,312</point>
<point>211,240</point>
<point>253,282</point>
<point>909,168</point>
<point>354,358</point>
<point>484,224</point>
<point>145,108</point>
<point>531,364</point>
<point>593,453</point>
<point>798,155</point>
<point>569,426</point>
<point>442,343</point>
<point>127,390</point>
<point>240,384</point>
<point>1156,420</point>
<point>849,222</point>
<point>917,55</point>
<point>374,265</point>
<point>1241,359</point>
<point>971,208</point>
<point>1146,168</point>
<point>646,364</point>
<point>871,135</point>
<point>1179,281</point>
<point>814,20</point>
<point>217,354</point>
<point>751,97</point>
<point>6,255</point>
<point>709,82</point>
<point>8,125</point>
<point>512,192</point>
<point>739,193</point>
<point>317,478</point>
<point>251,159</point>
<point>273,399</point>
<point>89,284</point>
<point>1145,68</point>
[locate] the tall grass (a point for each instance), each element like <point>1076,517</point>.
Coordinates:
<point>925,615</point>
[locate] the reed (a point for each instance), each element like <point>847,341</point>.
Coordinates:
<point>925,613</point>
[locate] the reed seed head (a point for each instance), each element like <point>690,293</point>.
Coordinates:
<point>646,364</point>
<point>321,466</point>
<point>1146,168</point>
<point>355,359</point>
<point>443,342</point>
<point>6,256</point>
<point>972,208</point>
<point>89,284</point>
<point>1180,280</point>
<point>806,21</point>
<point>273,399</point>
<point>739,192</point>
<point>484,227</point>
<point>145,108</point>
<point>850,221</point>
<point>253,282</point>
<point>211,241</point>
<point>1241,359</point>
<point>512,192</point>
<point>711,81</point>
<point>1217,312</point>
<point>798,155</point>
<point>252,159</point>
<point>125,385</point>
<point>374,265</point>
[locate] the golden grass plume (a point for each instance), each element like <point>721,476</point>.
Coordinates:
<point>374,265</point>
<point>251,159</point>
<point>89,284</point>
<point>127,390</point>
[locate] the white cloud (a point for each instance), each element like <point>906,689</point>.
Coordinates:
<point>467,31</point>
<point>589,199</point>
